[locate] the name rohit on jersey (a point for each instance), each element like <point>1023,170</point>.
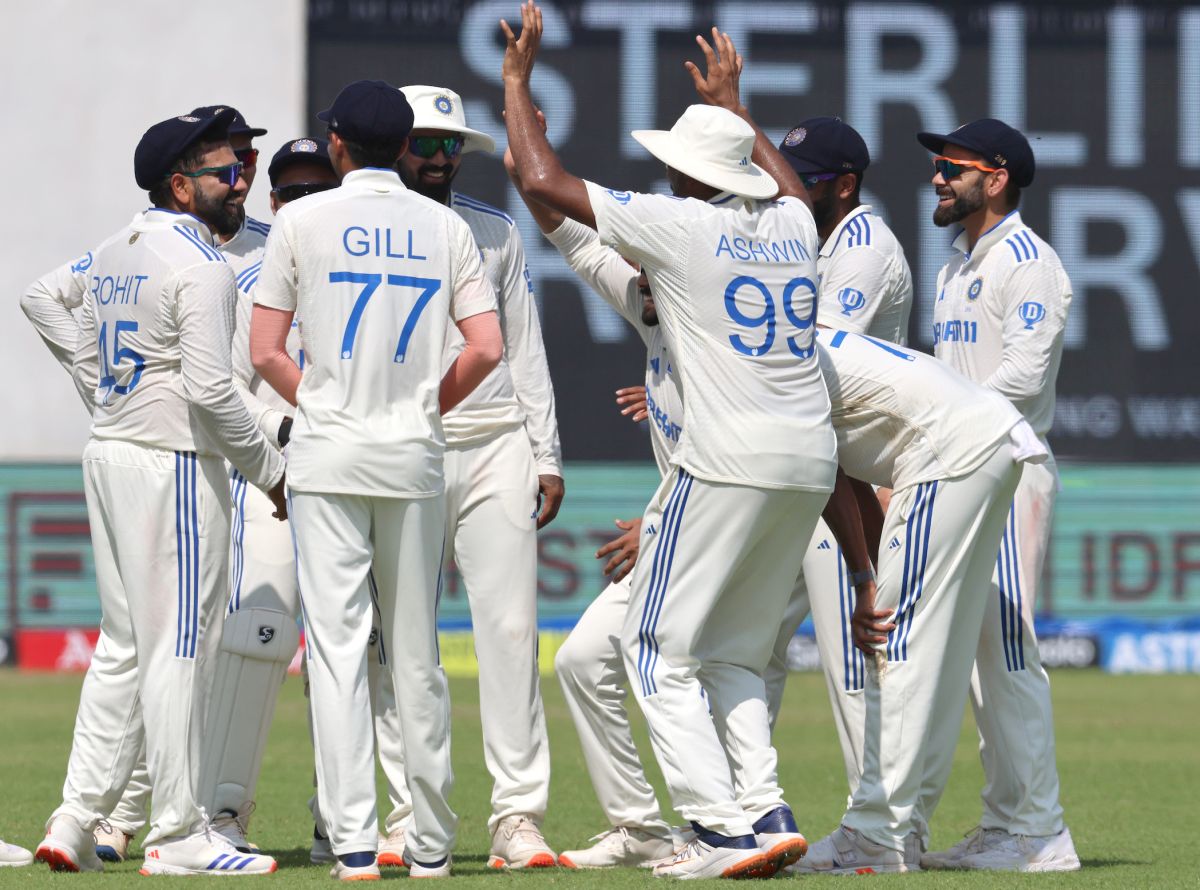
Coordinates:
<point>790,250</point>
<point>396,245</point>
<point>121,289</point>
<point>661,419</point>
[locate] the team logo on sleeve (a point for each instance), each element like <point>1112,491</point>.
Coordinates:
<point>443,104</point>
<point>619,197</point>
<point>852,300</point>
<point>83,263</point>
<point>975,289</point>
<point>1032,313</point>
<point>795,137</point>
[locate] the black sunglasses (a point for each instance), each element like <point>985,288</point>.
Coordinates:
<point>287,193</point>
<point>248,156</point>
<point>227,174</point>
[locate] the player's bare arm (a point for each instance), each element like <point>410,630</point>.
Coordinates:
<point>542,174</point>
<point>483,351</point>
<point>718,86</point>
<point>624,549</point>
<point>846,522</point>
<point>551,490</point>
<point>547,218</point>
<point>268,350</point>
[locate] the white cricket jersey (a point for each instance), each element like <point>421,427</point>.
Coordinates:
<point>863,281</point>
<point>244,251</point>
<point>903,417</point>
<point>603,269</point>
<point>375,274</point>
<point>50,303</point>
<point>157,320</point>
<point>734,282</point>
<point>1000,315</point>
<point>518,392</point>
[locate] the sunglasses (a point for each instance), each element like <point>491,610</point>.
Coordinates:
<point>248,156</point>
<point>287,193</point>
<point>428,146</point>
<point>810,182</point>
<point>952,167</point>
<point>228,174</point>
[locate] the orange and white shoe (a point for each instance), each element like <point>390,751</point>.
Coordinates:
<point>711,855</point>
<point>517,842</point>
<point>778,837</point>
<point>67,847</point>
<point>391,849</point>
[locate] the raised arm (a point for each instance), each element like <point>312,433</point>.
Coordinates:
<point>719,86</point>
<point>547,218</point>
<point>542,174</point>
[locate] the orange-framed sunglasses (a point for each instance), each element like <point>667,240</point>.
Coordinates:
<point>952,167</point>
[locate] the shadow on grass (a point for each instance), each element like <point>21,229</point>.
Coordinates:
<point>297,857</point>
<point>1111,863</point>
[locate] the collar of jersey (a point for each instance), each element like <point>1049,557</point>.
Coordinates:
<point>377,178</point>
<point>161,218</point>
<point>994,235</point>
<point>832,240</point>
<point>722,198</point>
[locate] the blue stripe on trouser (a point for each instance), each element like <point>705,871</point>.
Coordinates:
<point>381,654</point>
<point>1012,631</point>
<point>664,549</point>
<point>852,659</point>
<point>916,542</point>
<point>237,491</point>
<point>187,555</point>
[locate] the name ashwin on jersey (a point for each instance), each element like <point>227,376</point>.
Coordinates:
<point>789,250</point>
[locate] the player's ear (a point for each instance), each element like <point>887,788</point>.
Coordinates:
<point>181,189</point>
<point>846,183</point>
<point>997,183</point>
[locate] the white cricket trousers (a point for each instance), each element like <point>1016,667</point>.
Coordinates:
<point>262,575</point>
<point>1010,691</point>
<point>936,582</point>
<point>339,539</point>
<point>717,566</point>
<point>160,532</point>
<point>491,534</point>
<point>591,669</point>
<point>825,590</point>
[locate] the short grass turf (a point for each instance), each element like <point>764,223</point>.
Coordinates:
<point>1128,758</point>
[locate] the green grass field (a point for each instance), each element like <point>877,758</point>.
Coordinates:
<point>1127,747</point>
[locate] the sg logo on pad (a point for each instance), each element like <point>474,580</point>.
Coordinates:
<point>266,634</point>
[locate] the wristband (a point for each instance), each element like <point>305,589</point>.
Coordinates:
<point>285,431</point>
<point>862,577</point>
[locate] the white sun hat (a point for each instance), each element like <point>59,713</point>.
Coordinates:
<point>437,108</point>
<point>712,145</point>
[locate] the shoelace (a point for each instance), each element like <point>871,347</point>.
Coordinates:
<point>522,826</point>
<point>686,852</point>
<point>105,826</point>
<point>614,837</point>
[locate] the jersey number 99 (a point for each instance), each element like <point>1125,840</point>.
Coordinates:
<point>766,318</point>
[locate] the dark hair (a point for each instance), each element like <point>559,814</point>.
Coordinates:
<point>1012,194</point>
<point>373,154</point>
<point>160,195</point>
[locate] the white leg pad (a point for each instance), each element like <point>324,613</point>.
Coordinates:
<point>257,645</point>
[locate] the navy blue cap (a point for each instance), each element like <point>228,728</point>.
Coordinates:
<point>369,111</point>
<point>160,146</point>
<point>825,145</point>
<point>998,143</point>
<point>237,127</point>
<point>299,151</point>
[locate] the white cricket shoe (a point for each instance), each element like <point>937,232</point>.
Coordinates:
<point>391,849</point>
<point>112,844</point>
<point>846,852</point>
<point>622,845</point>
<point>740,858</point>
<point>517,842</point>
<point>344,872</point>
<point>778,837</point>
<point>322,851</point>
<point>205,853</point>
<point>439,869</point>
<point>1018,852</point>
<point>977,840</point>
<point>233,825</point>
<point>67,847</point>
<point>12,856</point>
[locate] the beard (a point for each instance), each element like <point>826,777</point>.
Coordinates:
<point>964,205</point>
<point>220,218</point>
<point>823,210</point>
<point>434,191</point>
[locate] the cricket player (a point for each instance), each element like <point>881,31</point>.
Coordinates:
<point>863,286</point>
<point>756,459</point>
<point>1001,309</point>
<point>259,633</point>
<point>366,480</point>
<point>502,457</point>
<point>165,414</point>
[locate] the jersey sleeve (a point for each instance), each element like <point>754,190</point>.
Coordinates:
<point>276,285</point>
<point>85,361</point>
<point>267,418</point>
<point>526,355</point>
<point>470,291</point>
<point>638,226</point>
<point>205,297</point>
<point>1036,299</point>
<point>48,302</point>
<point>852,287</point>
<point>601,268</point>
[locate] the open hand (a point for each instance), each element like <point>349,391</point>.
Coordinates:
<point>719,84</point>
<point>624,549</point>
<point>633,402</point>
<point>519,54</point>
